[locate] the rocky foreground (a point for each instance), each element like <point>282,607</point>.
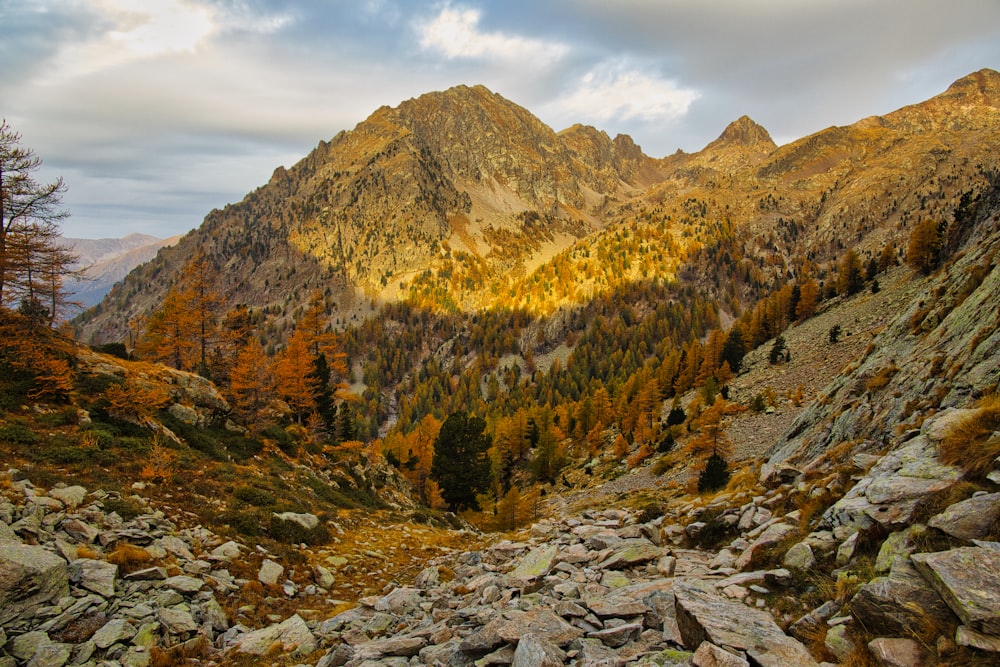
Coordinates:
<point>606,587</point>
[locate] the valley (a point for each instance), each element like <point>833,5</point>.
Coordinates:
<point>735,407</point>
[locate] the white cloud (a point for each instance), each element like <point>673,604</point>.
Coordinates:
<point>618,90</point>
<point>136,30</point>
<point>456,34</point>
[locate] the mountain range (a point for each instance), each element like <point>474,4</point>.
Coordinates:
<point>104,262</point>
<point>463,200</point>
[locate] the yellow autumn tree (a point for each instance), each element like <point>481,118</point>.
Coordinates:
<point>293,376</point>
<point>251,380</point>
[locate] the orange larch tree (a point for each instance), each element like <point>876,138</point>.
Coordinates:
<point>293,375</point>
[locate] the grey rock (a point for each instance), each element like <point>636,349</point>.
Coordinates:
<point>177,619</point>
<point>303,520</point>
<point>114,631</point>
<point>896,652</point>
<point>184,584</point>
<point>508,627</point>
<point>400,600</point>
<point>24,646</point>
<point>7,534</point>
<point>176,546</point>
<point>70,496</point>
<point>899,604</point>
<point>772,535</point>
<point>619,635</point>
<point>292,633</point>
<point>898,547</point>
<point>968,579</point>
<point>81,531</point>
<point>971,519</point>
<point>227,551</point>
<point>339,656</point>
<point>895,488</point>
<point>536,564</point>
<point>838,643</point>
<point>51,655</point>
<point>30,576</point>
<point>799,558</point>
<point>214,615</point>
<point>536,651</point>
<point>710,655</point>
<point>391,646</point>
<point>324,578</point>
<point>617,606</point>
<point>94,575</point>
<point>703,615</point>
<point>270,572</point>
<point>966,636</point>
<point>631,553</point>
<point>147,574</point>
<point>593,653</point>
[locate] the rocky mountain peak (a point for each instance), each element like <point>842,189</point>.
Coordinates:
<point>982,87</point>
<point>746,133</point>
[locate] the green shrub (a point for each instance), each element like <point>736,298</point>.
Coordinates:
<point>248,524</point>
<point>251,495</point>
<point>291,532</point>
<point>17,433</point>
<point>126,508</point>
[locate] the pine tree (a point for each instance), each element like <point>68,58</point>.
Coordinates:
<point>715,476</point>
<point>734,348</point>
<point>461,465</point>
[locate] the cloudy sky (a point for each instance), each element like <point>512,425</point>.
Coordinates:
<point>157,111</point>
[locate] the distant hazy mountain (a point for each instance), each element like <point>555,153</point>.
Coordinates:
<point>106,261</point>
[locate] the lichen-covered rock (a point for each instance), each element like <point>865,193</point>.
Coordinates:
<point>968,579</point>
<point>30,576</point>
<point>971,519</point>
<point>900,604</point>
<point>703,615</point>
<point>292,635</point>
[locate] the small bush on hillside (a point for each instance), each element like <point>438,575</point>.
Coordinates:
<point>247,524</point>
<point>834,334</point>
<point>17,433</point>
<point>291,532</point>
<point>253,496</point>
<point>126,508</point>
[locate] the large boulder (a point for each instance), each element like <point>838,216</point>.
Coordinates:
<point>900,604</point>
<point>968,579</point>
<point>292,635</point>
<point>972,519</point>
<point>894,491</point>
<point>30,576</point>
<point>704,615</point>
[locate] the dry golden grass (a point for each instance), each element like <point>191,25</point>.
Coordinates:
<point>128,557</point>
<point>881,379</point>
<point>972,443</point>
<point>83,551</point>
